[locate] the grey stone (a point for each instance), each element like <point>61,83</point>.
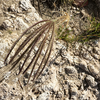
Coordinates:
<point>74,92</point>
<point>7,24</point>
<point>91,81</point>
<point>43,96</point>
<point>80,63</point>
<point>70,70</point>
<point>93,69</point>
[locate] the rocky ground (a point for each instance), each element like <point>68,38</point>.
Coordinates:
<point>73,70</point>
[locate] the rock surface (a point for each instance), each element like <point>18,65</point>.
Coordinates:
<point>72,72</point>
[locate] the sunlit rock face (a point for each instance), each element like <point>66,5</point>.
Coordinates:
<point>72,71</point>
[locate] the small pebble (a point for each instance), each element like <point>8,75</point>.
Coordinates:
<point>91,81</point>
<point>70,70</point>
